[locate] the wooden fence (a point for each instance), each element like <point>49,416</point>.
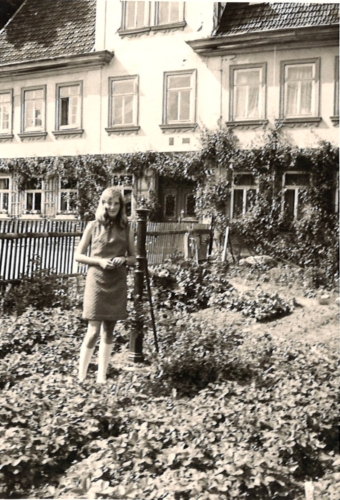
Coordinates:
<point>53,243</point>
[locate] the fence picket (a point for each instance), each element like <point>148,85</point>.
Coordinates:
<point>54,242</point>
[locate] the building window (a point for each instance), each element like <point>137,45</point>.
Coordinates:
<point>4,194</point>
<point>124,101</point>
<point>247,93</point>
<point>300,88</point>
<point>169,12</point>
<point>69,106</point>
<point>243,193</point>
<point>6,112</point>
<point>135,15</point>
<point>34,109</point>
<point>67,196</point>
<point>33,196</point>
<point>126,183</point>
<point>336,88</point>
<point>179,106</point>
<point>190,205</point>
<point>295,185</point>
<point>170,205</point>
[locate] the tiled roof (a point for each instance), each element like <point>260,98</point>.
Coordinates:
<point>244,18</point>
<point>43,29</point>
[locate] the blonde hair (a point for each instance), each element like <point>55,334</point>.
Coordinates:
<point>101,215</point>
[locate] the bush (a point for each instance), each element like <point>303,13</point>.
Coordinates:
<point>183,285</point>
<point>197,354</point>
<point>38,289</point>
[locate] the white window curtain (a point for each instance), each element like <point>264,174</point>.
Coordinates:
<point>123,102</point>
<point>168,12</point>
<point>34,104</point>
<point>5,103</point>
<point>300,84</point>
<point>247,93</point>
<point>179,98</point>
<point>135,14</point>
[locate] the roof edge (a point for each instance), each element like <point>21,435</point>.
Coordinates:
<point>88,59</point>
<point>260,40</point>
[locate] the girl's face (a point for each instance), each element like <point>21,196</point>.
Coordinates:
<point>111,205</point>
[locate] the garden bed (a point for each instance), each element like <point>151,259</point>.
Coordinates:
<point>231,408</point>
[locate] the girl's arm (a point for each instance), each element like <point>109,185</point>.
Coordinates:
<point>80,254</point>
<point>130,259</point>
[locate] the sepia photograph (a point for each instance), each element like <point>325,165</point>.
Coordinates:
<point>169,250</point>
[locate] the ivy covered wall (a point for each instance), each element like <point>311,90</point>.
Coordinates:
<point>310,230</point>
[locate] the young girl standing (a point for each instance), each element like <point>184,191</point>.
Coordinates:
<point>105,296</point>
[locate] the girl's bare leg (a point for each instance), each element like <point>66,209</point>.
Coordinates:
<point>105,348</point>
<point>87,347</point>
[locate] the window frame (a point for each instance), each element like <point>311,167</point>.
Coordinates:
<point>244,188</point>
<point>179,22</point>
<point>172,124</point>
<point>151,20</point>
<point>186,202</point>
<point>296,189</point>
<point>66,128</point>
<point>33,191</point>
<point>135,107</point>
<point>262,67</point>
<point>41,130</point>
<point>315,115</point>
<point>8,132</point>
<point>4,211</point>
<point>126,187</point>
<point>336,106</point>
<point>172,193</point>
<point>147,18</point>
<point>59,201</point>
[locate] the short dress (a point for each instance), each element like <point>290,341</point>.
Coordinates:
<point>105,294</point>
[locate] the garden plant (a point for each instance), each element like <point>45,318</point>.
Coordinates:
<point>217,414</point>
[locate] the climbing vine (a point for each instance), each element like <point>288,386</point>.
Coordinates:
<point>310,237</point>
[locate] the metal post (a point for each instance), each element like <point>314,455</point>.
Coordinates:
<point>136,335</point>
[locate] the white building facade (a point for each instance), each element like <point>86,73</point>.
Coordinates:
<point>148,76</point>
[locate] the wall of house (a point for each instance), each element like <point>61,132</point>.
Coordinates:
<point>149,55</point>
<point>146,55</point>
<point>52,146</point>
<point>303,135</point>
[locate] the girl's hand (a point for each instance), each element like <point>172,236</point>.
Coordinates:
<point>118,261</point>
<point>106,264</point>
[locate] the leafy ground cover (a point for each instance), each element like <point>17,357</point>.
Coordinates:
<point>231,408</point>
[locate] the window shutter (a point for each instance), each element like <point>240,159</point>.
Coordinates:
<point>50,196</point>
<point>17,199</point>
